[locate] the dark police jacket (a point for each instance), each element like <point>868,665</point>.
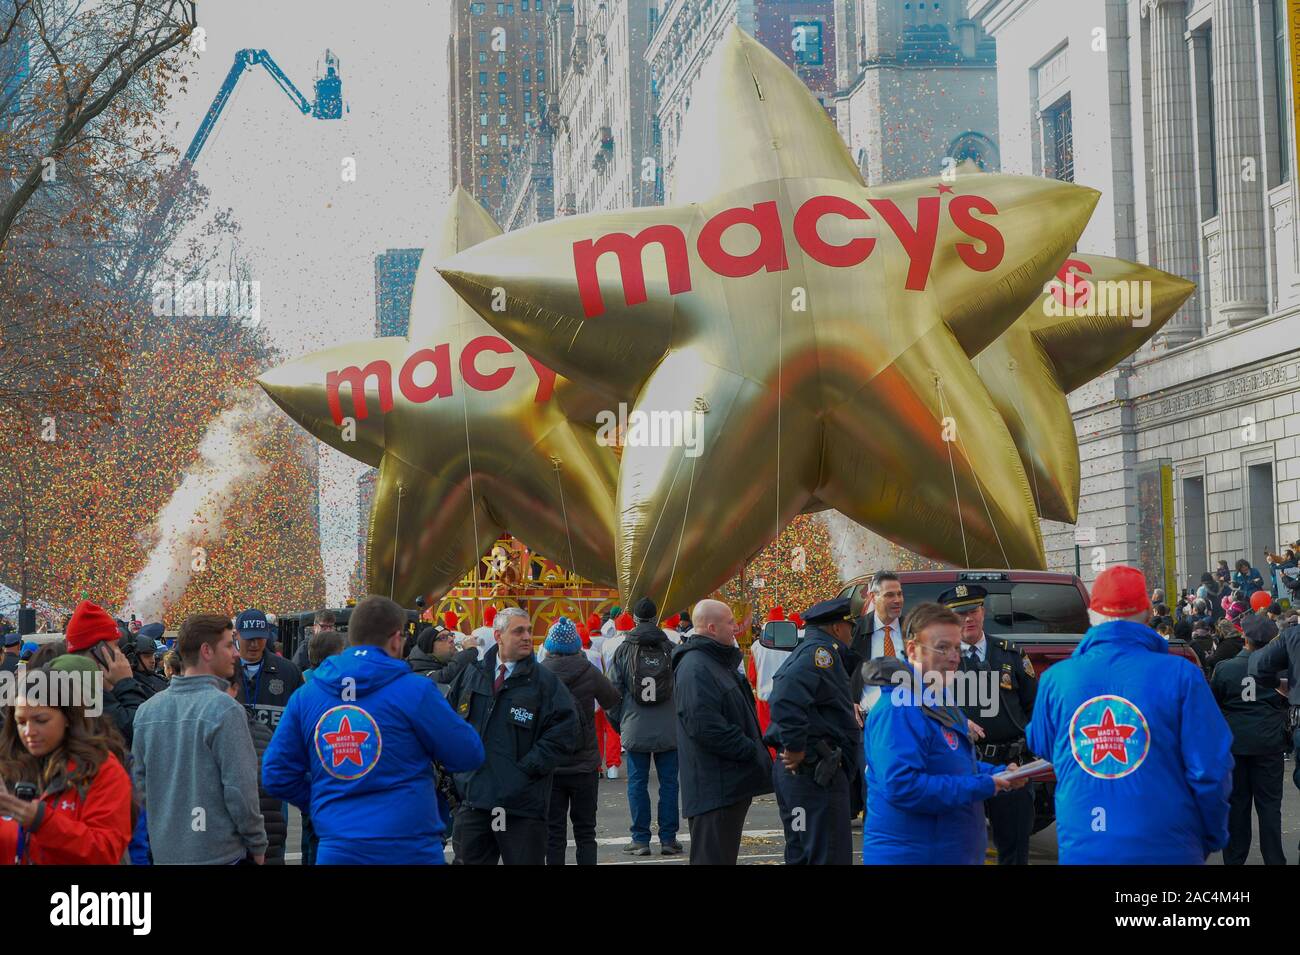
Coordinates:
<point>720,753</point>
<point>1017,686</point>
<point>527,730</point>
<point>270,690</point>
<point>1258,725</point>
<point>810,700</point>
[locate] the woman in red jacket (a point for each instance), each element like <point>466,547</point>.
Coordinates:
<point>82,814</point>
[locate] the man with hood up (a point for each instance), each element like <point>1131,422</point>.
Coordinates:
<point>356,746</point>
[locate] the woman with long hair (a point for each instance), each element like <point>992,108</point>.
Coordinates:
<point>75,765</point>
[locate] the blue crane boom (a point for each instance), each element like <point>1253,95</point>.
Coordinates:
<point>328,104</point>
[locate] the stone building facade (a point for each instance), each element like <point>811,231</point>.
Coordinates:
<point>1179,111</point>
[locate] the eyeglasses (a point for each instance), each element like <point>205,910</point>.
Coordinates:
<point>943,649</point>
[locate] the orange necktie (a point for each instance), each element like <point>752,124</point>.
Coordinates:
<point>889,643</point>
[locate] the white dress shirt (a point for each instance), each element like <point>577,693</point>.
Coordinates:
<point>878,640</point>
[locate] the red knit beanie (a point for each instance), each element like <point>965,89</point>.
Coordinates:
<point>90,625</point>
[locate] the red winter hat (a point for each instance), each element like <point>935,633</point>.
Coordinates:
<point>673,622</point>
<point>776,613</point>
<point>796,620</point>
<point>90,625</point>
<point>1120,591</point>
<point>584,634</point>
<point>624,622</point>
<point>489,615</point>
<point>450,620</point>
<point>593,623</point>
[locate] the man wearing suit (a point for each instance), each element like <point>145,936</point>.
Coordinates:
<point>877,632</point>
<point>1011,813</point>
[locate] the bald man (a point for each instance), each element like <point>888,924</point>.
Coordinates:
<point>722,762</point>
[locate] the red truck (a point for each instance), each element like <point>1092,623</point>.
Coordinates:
<point>1045,614</point>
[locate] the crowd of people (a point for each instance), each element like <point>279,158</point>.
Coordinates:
<point>392,744</point>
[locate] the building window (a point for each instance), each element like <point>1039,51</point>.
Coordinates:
<point>806,38</point>
<point>501,78</point>
<point>482,57</point>
<point>482,140</point>
<point>541,55</point>
<point>482,98</point>
<point>501,119</point>
<point>541,76</point>
<point>1058,141</point>
<point>501,9</point>
<point>523,5</point>
<point>482,37</point>
<point>539,6</point>
<point>482,78</point>
<point>1209,135</point>
<point>528,97</point>
<point>526,57</point>
<point>482,119</point>
<point>527,34</point>
<point>501,99</point>
<point>976,147</point>
<point>528,76</point>
<point>528,118</point>
<point>510,9</point>
<point>482,181</point>
<point>1282,82</point>
<point>503,183</point>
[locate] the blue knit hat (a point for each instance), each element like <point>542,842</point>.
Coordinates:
<point>563,637</point>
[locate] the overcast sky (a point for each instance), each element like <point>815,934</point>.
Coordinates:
<point>310,237</point>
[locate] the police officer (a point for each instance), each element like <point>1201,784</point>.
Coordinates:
<point>264,680</point>
<point>819,739</point>
<point>1010,814</point>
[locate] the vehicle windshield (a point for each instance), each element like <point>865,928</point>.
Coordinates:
<point>1016,607</point>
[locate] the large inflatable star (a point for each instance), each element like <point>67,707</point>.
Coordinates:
<point>1098,311</point>
<point>470,436</point>
<point>787,338</point>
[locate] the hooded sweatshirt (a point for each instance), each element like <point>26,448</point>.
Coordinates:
<point>1133,730</point>
<point>356,749</point>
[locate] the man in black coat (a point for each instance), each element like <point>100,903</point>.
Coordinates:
<point>722,762</point>
<point>877,633</point>
<point>143,668</point>
<point>435,655</point>
<point>528,723</point>
<point>1257,716</point>
<point>264,680</point>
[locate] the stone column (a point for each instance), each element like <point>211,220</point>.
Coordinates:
<point>1177,234</point>
<point>1237,134</point>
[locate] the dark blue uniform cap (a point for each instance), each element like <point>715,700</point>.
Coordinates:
<point>829,611</point>
<point>963,597</point>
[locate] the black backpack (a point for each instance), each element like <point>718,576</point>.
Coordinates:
<point>651,674</point>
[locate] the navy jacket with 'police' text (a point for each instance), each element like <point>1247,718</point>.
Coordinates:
<point>1143,757</point>
<point>356,748</point>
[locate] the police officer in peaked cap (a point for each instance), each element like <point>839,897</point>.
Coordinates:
<point>1004,667</point>
<point>819,740</point>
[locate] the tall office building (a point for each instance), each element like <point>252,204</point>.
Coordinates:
<point>394,280</point>
<point>497,59</point>
<point>800,32</point>
<point>366,485</point>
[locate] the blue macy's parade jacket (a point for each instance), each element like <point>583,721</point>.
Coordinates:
<point>1143,757</point>
<point>356,748</point>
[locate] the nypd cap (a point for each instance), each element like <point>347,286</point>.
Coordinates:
<point>829,611</point>
<point>963,597</point>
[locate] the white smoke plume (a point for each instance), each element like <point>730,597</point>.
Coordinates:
<point>195,515</point>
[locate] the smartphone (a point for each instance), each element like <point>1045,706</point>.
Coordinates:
<point>26,791</point>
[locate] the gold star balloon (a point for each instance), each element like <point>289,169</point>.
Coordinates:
<point>1097,311</point>
<point>784,338</point>
<point>469,434</point>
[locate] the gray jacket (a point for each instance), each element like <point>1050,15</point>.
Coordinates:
<point>1282,654</point>
<point>192,743</point>
<point>644,728</point>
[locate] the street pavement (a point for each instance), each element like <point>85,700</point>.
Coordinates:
<point>763,842</point>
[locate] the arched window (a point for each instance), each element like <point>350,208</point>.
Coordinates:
<point>976,147</point>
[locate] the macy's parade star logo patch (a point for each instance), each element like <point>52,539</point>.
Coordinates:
<point>1109,737</point>
<point>347,742</point>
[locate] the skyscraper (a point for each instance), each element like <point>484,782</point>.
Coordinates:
<point>497,60</point>
<point>394,280</point>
